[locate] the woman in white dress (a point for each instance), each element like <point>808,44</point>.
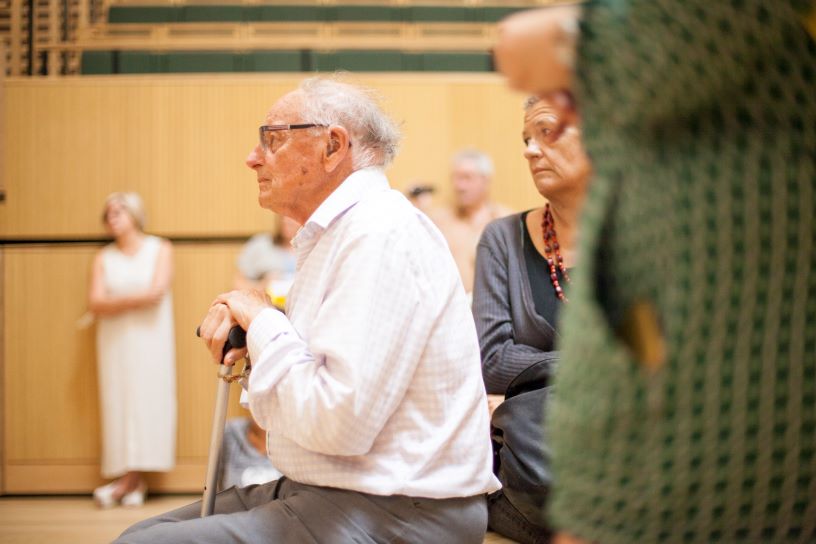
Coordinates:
<point>130,295</point>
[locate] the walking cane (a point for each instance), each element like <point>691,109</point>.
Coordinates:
<point>235,339</point>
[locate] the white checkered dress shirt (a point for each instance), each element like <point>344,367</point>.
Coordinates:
<point>372,381</point>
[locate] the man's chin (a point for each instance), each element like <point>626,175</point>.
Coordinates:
<point>267,202</point>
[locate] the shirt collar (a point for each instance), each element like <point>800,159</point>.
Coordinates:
<point>348,193</point>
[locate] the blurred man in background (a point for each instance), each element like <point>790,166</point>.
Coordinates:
<point>462,223</point>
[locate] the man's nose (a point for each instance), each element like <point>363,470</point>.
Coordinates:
<point>254,158</point>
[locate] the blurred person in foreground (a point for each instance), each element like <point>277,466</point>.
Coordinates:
<point>135,344</point>
<point>523,265</point>
<point>369,385</point>
<point>685,403</point>
<point>463,223</point>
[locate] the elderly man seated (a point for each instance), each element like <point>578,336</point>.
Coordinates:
<point>370,385</point>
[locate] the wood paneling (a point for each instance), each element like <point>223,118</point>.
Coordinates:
<point>289,35</point>
<point>2,374</point>
<point>51,411</point>
<point>77,477</point>
<point>51,391</point>
<point>181,142</point>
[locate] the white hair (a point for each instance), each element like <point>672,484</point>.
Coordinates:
<point>131,202</point>
<point>374,136</point>
<point>482,161</point>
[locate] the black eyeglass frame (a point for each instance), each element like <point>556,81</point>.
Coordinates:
<point>277,128</point>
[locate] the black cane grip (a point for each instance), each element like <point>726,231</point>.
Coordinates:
<point>235,339</point>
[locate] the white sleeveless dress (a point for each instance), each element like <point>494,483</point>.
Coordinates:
<point>136,364</point>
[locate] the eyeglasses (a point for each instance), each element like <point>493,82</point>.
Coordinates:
<point>270,140</point>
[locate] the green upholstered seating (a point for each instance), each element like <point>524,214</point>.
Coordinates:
<point>358,61</point>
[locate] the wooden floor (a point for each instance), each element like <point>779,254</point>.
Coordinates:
<point>64,520</point>
<point>69,520</point>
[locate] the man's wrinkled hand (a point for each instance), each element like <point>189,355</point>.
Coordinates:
<point>245,305</point>
<point>227,310</point>
<point>214,330</point>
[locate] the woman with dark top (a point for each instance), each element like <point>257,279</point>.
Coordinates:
<point>522,273</point>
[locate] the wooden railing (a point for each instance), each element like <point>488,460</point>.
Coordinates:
<point>460,3</point>
<point>28,29</point>
<point>47,36</point>
<point>305,35</point>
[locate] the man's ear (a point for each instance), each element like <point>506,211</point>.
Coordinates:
<point>334,145</point>
<point>338,147</point>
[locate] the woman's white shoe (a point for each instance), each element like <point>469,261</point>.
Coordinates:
<point>136,497</point>
<point>103,495</point>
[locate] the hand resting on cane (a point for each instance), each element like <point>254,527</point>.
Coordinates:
<point>227,310</point>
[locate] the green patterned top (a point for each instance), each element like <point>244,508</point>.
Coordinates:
<point>700,118</point>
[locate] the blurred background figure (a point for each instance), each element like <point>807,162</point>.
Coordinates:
<point>267,261</point>
<point>130,295</point>
<point>523,264</point>
<point>244,460</point>
<point>463,222</point>
<point>421,195</point>
<point>685,403</point>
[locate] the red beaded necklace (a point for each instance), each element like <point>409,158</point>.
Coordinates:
<point>552,252</point>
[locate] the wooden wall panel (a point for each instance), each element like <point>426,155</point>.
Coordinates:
<point>202,272</point>
<point>50,376</point>
<point>181,142</point>
<point>51,411</point>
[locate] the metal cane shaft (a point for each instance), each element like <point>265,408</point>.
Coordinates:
<point>235,339</point>
<point>216,440</point>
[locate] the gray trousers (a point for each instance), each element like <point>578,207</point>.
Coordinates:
<point>289,512</point>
